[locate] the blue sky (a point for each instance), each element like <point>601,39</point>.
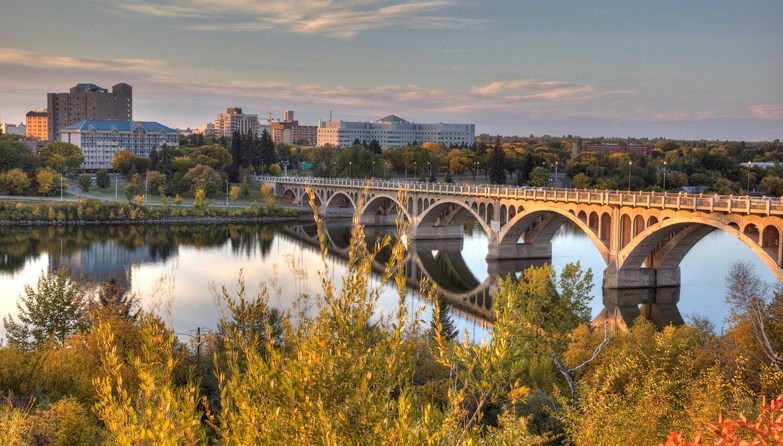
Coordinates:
<point>693,69</point>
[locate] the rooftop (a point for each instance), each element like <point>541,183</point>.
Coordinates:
<point>120,126</point>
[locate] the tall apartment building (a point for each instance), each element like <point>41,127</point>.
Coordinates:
<point>289,131</point>
<point>233,120</point>
<point>393,131</point>
<point>88,101</point>
<point>101,139</point>
<point>37,125</point>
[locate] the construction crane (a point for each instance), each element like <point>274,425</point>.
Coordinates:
<point>271,115</point>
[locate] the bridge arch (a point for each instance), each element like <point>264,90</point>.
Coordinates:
<point>340,203</point>
<point>379,204</point>
<point>538,225</point>
<point>665,245</point>
<point>451,213</point>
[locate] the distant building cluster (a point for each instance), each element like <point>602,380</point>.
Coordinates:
<point>101,139</point>
<point>393,131</point>
<point>101,123</point>
<point>606,148</point>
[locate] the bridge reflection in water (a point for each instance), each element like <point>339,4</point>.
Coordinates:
<point>442,263</point>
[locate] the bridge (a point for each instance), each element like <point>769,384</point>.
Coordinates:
<point>642,236</point>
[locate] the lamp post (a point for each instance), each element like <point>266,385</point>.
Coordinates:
<point>350,169</point>
<point>629,175</point>
<point>116,184</point>
<point>61,187</point>
<point>416,169</point>
<point>664,177</point>
<point>227,193</point>
<point>747,190</point>
<point>430,168</point>
<point>556,177</point>
<point>373,168</point>
<point>475,168</point>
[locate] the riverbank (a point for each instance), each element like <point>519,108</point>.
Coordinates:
<point>96,212</point>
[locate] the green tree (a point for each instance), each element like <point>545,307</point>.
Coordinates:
<point>63,157</point>
<point>539,176</point>
<point>214,156</point>
<point>51,312</point>
<point>130,190</point>
<point>84,182</point>
<point>772,185</point>
<point>497,164</point>
<point>17,181</point>
<point>102,179</point>
<point>156,181</point>
<point>204,178</point>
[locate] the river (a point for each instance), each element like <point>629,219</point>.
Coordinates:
<point>178,270</point>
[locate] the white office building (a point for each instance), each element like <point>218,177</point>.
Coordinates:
<point>233,120</point>
<point>393,131</point>
<point>100,140</point>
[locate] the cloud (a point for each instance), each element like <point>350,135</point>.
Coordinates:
<point>152,68</point>
<point>529,90</point>
<point>767,112</point>
<point>337,18</point>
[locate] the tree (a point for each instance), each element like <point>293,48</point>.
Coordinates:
<point>17,181</point>
<point>63,157</point>
<point>15,154</point>
<point>156,181</point>
<point>374,147</point>
<point>130,190</point>
<point>102,179</point>
<point>214,156</point>
<point>266,151</point>
<point>447,178</point>
<point>204,178</point>
<point>539,176</point>
<point>442,321</point>
<point>497,164</point>
<point>114,296</point>
<point>52,311</point>
<point>46,177</point>
<point>127,163</point>
<point>84,182</point>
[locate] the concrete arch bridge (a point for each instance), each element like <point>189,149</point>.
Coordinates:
<point>641,236</point>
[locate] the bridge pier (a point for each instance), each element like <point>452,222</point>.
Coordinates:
<point>640,278</point>
<point>623,306</point>
<point>378,220</point>
<point>519,251</point>
<point>422,232</point>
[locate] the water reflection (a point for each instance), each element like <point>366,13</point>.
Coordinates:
<point>215,253</point>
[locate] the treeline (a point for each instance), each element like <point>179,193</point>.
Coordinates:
<point>90,210</point>
<point>88,367</point>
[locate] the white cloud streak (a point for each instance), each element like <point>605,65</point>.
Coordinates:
<point>342,19</point>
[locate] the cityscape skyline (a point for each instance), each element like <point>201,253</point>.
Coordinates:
<point>704,69</point>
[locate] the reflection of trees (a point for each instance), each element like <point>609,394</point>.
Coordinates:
<point>22,243</point>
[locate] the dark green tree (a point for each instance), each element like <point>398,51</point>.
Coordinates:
<point>497,164</point>
<point>267,150</point>
<point>102,179</point>
<point>447,178</point>
<point>84,183</point>
<point>375,146</point>
<point>442,320</point>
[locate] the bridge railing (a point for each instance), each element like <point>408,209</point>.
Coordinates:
<point>677,201</point>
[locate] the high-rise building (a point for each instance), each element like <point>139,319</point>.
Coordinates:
<point>100,140</point>
<point>233,120</point>
<point>36,125</point>
<point>289,131</point>
<point>393,131</point>
<point>88,101</point>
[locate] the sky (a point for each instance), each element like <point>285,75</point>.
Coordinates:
<point>693,69</point>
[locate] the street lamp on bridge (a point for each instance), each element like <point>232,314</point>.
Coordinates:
<point>629,175</point>
<point>664,176</point>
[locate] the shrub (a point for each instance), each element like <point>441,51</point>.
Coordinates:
<point>84,183</point>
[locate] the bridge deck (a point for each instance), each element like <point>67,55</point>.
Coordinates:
<point>658,200</point>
